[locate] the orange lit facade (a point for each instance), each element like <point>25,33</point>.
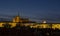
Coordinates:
<point>17,19</point>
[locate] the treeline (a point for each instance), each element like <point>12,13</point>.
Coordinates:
<point>27,31</point>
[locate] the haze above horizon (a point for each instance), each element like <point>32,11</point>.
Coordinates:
<point>49,9</point>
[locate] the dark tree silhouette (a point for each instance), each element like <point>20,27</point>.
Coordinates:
<point>7,25</point>
<point>17,26</point>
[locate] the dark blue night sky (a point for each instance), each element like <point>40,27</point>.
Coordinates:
<point>49,9</point>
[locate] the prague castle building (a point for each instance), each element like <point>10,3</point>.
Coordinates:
<point>26,22</point>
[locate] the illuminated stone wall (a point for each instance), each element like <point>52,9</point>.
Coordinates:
<point>33,25</point>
